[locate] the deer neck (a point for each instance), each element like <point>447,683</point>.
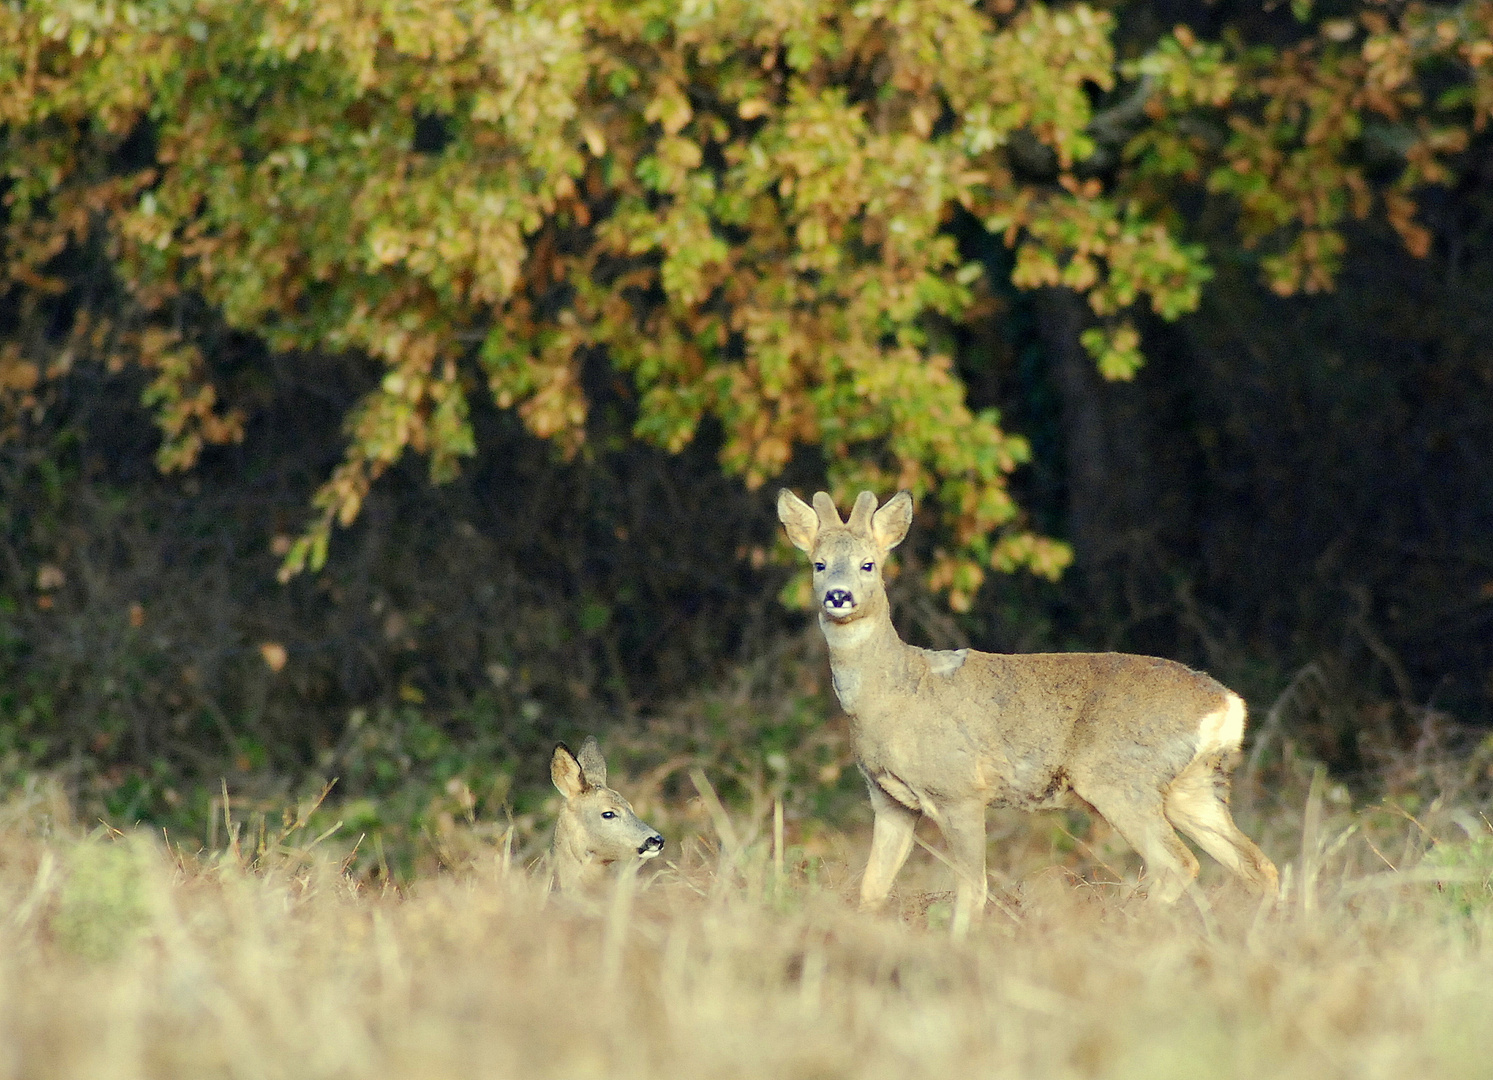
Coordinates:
<point>862,652</point>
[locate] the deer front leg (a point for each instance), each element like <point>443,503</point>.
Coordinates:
<point>963,825</point>
<point>891,842</point>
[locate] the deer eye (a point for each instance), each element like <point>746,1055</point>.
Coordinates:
<point>819,567</point>
<point>868,566</point>
<point>609,814</point>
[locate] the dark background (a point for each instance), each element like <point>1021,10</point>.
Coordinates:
<point>1289,486</point>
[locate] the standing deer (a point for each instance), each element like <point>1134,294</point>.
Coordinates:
<point>597,827</point>
<point>1148,743</point>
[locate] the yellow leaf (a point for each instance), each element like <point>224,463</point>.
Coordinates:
<point>274,654</point>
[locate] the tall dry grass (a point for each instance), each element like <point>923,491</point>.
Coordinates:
<point>125,958</point>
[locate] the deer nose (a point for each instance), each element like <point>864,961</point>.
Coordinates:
<point>839,598</point>
<point>653,843</point>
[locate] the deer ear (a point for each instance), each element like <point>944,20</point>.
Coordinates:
<point>565,771</point>
<point>889,526</point>
<point>799,520</point>
<point>593,765</point>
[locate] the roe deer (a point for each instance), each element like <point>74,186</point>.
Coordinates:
<point>597,826</point>
<point>1148,743</point>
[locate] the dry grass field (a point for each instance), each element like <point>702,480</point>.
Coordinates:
<point>124,956</point>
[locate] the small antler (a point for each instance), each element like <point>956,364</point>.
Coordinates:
<point>824,506</point>
<point>860,517</point>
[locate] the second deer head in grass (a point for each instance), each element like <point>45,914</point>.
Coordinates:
<point>597,829</point>
<point>1145,742</point>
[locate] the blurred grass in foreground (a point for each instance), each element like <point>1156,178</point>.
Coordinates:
<point>742,957</point>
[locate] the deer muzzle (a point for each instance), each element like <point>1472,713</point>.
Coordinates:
<point>839,602</point>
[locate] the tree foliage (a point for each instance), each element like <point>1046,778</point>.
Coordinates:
<point>746,208</point>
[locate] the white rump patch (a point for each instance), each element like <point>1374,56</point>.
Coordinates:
<point>945,661</point>
<point>1223,731</point>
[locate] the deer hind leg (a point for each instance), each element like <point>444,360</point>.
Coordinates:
<point>1139,817</point>
<point>891,843</point>
<point>1197,803</point>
